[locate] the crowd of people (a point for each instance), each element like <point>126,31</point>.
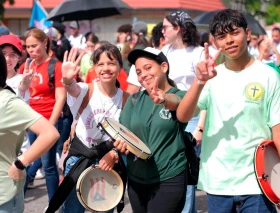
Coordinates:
<point>222,86</point>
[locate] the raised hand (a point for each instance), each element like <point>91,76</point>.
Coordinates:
<point>205,69</point>
<point>70,64</point>
<point>156,94</point>
<point>27,75</point>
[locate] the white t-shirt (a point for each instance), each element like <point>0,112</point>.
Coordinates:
<point>182,64</point>
<point>14,83</point>
<point>77,42</point>
<point>242,107</point>
<point>99,107</point>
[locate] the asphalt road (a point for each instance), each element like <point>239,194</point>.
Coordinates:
<point>36,200</point>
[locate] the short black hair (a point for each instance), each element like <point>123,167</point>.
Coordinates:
<point>157,35</point>
<point>225,20</point>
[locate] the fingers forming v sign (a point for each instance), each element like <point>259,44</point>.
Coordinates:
<point>156,94</point>
<point>70,64</point>
<point>205,69</point>
<point>28,72</point>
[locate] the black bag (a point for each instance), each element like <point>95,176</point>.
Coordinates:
<point>192,160</point>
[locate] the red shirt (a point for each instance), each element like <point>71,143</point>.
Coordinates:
<point>42,98</point>
<point>91,75</point>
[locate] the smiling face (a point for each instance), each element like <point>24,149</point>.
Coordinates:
<point>107,69</point>
<point>35,48</point>
<point>147,70</point>
<point>233,43</point>
<point>11,57</point>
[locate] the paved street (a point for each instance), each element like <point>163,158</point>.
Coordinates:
<point>36,200</point>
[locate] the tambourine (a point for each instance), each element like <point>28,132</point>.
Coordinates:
<point>99,190</point>
<point>117,131</point>
<point>267,170</point>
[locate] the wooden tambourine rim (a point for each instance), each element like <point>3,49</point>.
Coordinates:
<point>260,169</point>
<point>79,192</point>
<point>135,147</point>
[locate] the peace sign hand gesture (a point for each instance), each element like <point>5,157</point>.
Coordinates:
<point>156,94</point>
<point>27,75</point>
<point>205,69</point>
<point>70,64</point>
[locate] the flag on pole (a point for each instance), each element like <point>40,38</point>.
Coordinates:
<point>39,16</point>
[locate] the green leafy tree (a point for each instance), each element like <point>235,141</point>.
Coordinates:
<point>274,14</point>
<point>268,9</point>
<point>2,9</point>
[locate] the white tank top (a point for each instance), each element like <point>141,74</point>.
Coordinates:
<point>99,107</point>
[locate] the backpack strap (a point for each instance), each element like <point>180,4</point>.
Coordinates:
<point>86,99</point>
<point>51,70</point>
<point>124,98</point>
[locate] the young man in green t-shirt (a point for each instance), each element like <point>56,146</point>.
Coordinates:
<point>242,102</point>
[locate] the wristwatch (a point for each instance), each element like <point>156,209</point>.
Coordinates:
<point>19,164</point>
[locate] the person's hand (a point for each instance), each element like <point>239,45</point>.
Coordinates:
<point>274,49</point>
<point>205,69</point>
<point>108,161</point>
<point>198,136</point>
<point>15,173</point>
<point>70,64</point>
<point>27,75</point>
<point>156,94</point>
<point>66,146</point>
<point>121,146</point>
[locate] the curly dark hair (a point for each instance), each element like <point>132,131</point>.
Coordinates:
<point>190,35</point>
<point>225,20</point>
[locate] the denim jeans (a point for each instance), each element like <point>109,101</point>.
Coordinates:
<point>15,205</point>
<point>239,204</point>
<point>48,161</point>
<point>190,197</point>
<point>65,132</point>
<point>72,203</point>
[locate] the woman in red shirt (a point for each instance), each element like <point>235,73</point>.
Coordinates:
<point>46,98</point>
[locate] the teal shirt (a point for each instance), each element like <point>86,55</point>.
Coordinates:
<point>242,107</point>
<point>160,130</point>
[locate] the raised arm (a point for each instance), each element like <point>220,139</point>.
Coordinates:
<point>70,69</point>
<point>204,71</point>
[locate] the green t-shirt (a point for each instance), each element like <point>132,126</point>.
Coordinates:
<point>242,107</point>
<point>160,130</point>
<point>86,63</point>
<point>16,116</point>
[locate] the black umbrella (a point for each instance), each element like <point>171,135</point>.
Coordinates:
<point>70,10</point>
<point>205,18</point>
